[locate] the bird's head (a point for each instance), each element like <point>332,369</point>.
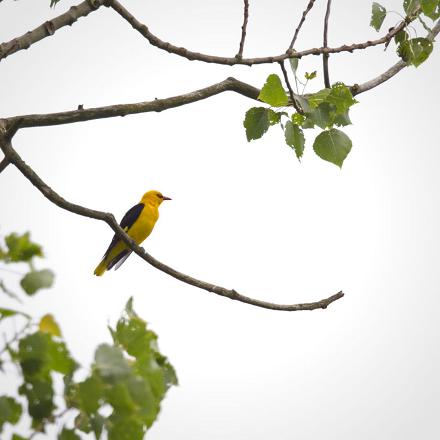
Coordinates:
<point>154,197</point>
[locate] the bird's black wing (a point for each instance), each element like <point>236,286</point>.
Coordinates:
<point>126,223</point>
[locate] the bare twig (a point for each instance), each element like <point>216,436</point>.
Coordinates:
<point>49,27</point>
<point>289,87</point>
<point>243,28</point>
<point>393,70</point>
<point>325,56</point>
<point>50,194</point>
<point>158,105</point>
<point>230,61</point>
<point>301,22</point>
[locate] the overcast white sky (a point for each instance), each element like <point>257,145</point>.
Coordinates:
<point>244,215</point>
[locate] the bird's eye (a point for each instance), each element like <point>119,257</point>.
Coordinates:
<point>160,196</point>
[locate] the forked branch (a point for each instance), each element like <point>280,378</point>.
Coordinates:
<point>108,218</point>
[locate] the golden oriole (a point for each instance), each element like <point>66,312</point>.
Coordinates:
<point>138,223</point>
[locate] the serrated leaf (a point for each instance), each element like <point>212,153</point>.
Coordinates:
<point>342,119</point>
<point>298,119</point>
<point>294,64</point>
<point>20,248</point>
<point>295,138</point>
<point>36,280</point>
<point>10,411</point>
<point>378,14</point>
<point>322,116</point>
<point>415,51</point>
<point>68,434</point>
<point>256,122</point>
<point>333,146</point>
<point>273,92</point>
<point>48,325</point>
<point>401,37</point>
<point>340,96</point>
<point>275,117</point>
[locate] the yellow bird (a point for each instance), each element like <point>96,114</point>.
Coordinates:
<point>138,223</point>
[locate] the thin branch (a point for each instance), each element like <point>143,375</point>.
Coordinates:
<point>48,28</point>
<point>393,70</point>
<point>289,87</point>
<point>50,194</point>
<point>158,105</point>
<point>325,56</point>
<point>303,18</point>
<point>243,28</point>
<point>230,61</point>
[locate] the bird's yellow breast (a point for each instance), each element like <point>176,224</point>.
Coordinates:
<point>144,224</point>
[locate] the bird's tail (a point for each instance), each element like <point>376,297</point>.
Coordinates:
<point>101,268</point>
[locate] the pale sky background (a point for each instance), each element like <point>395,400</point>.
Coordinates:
<point>244,215</point>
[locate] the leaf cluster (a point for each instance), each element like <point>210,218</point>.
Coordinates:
<point>325,109</point>
<point>413,51</point>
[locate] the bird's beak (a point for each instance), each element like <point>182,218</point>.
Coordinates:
<point>166,198</point>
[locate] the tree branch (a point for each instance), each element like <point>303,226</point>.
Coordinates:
<point>325,56</point>
<point>243,28</point>
<point>3,164</point>
<point>356,89</point>
<point>231,61</point>
<point>303,18</point>
<point>289,87</point>
<point>48,28</point>
<point>50,194</point>
<point>158,105</point>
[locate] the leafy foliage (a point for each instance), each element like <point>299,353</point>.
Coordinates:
<point>130,376</point>
<point>378,14</point>
<point>415,51</point>
<point>325,109</point>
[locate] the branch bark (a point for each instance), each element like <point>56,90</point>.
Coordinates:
<point>243,28</point>
<point>356,89</point>
<point>108,218</point>
<point>158,105</point>
<point>231,61</point>
<point>325,56</point>
<point>301,22</point>
<point>48,28</point>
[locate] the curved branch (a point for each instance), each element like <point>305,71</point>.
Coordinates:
<point>158,105</point>
<point>243,28</point>
<point>55,198</point>
<point>231,61</point>
<point>3,164</point>
<point>301,22</point>
<point>48,28</point>
<point>356,89</point>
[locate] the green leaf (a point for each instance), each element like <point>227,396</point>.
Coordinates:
<point>340,96</point>
<point>318,98</point>
<point>36,280</point>
<point>294,64</point>
<point>410,5</point>
<point>48,325</point>
<point>401,37</point>
<point>273,92</point>
<point>10,411</point>
<point>378,14</point>
<point>322,116</point>
<point>295,138</point>
<point>20,248</point>
<point>126,428</point>
<point>275,117</point>
<point>342,119</point>
<point>110,363</point>
<point>431,8</point>
<point>39,394</point>
<point>333,146</point>
<point>90,393</point>
<point>298,119</point>
<point>415,51</point>
<point>68,434</point>
<point>18,437</point>
<point>256,122</point>
<point>310,76</point>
